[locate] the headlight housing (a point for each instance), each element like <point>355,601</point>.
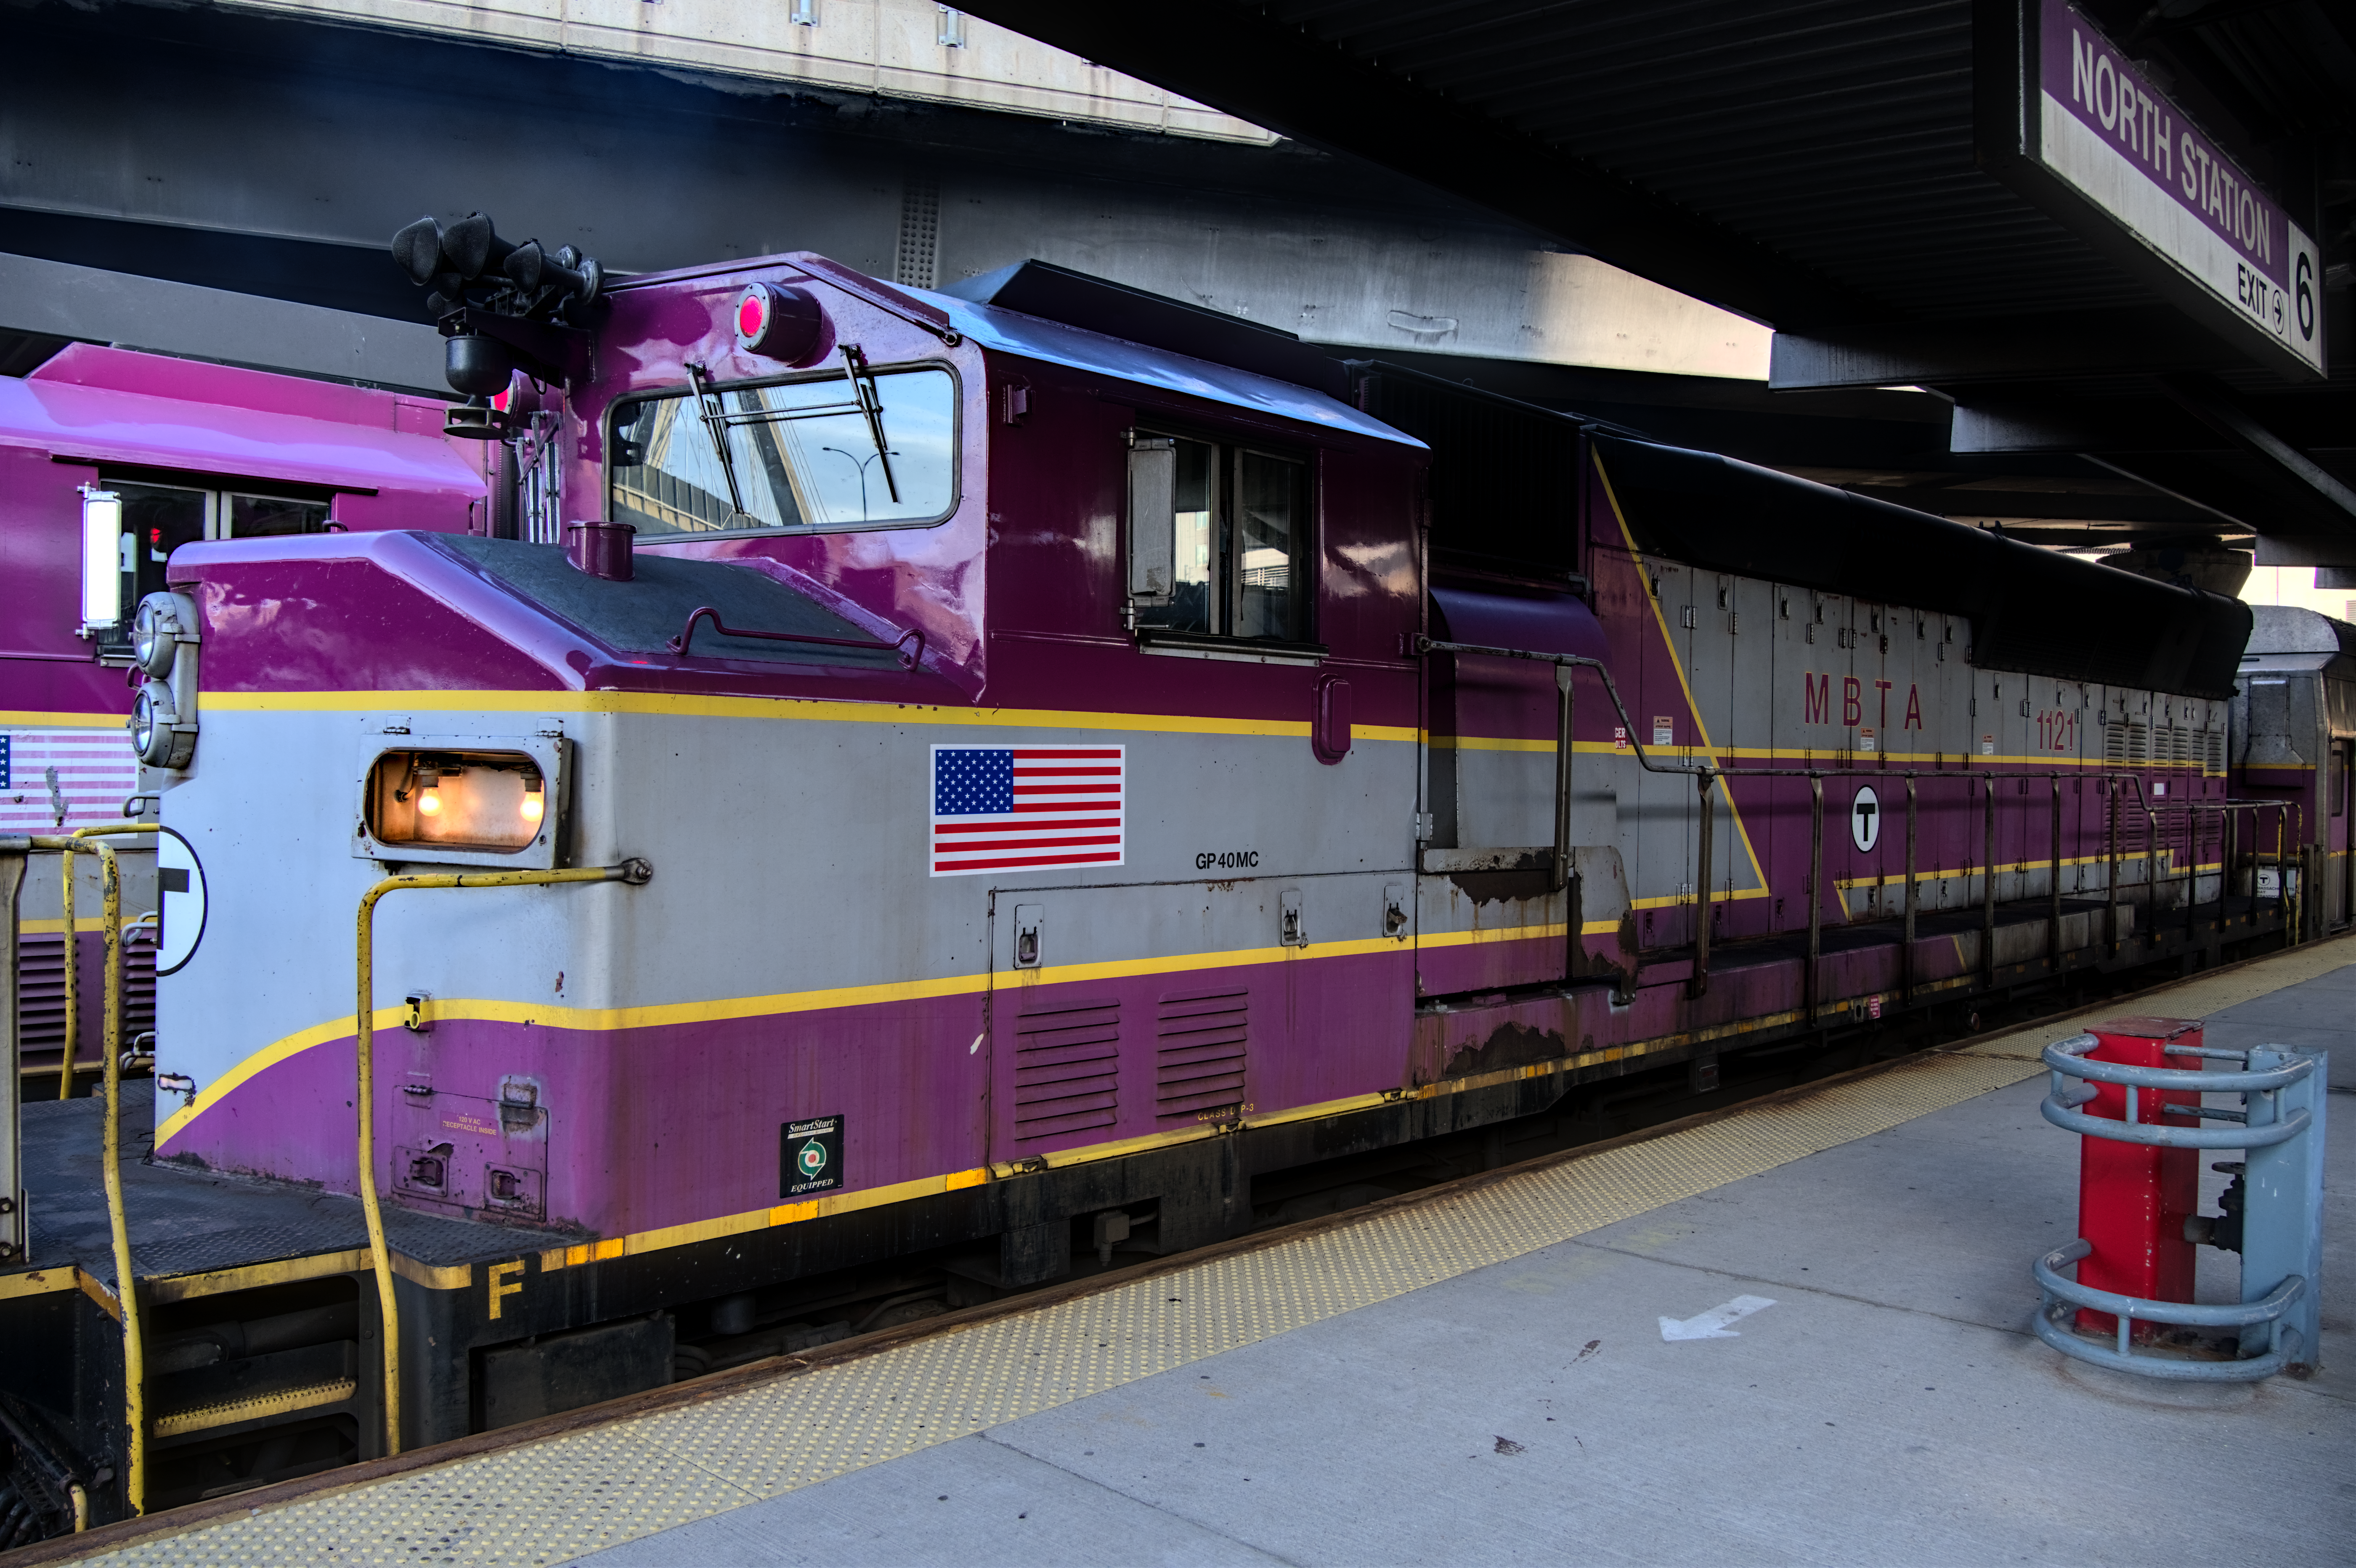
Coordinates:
<point>478,805</point>
<point>157,630</point>
<point>162,724</point>
<point>157,731</point>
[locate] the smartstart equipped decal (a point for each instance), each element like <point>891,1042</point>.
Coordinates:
<point>809,1157</point>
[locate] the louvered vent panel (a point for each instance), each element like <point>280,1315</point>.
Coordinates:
<point>2138,744</point>
<point>41,995</point>
<point>1199,1062</point>
<point>2114,742</point>
<point>2215,754</point>
<point>1066,1069</point>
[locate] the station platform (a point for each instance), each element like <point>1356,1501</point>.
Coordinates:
<point>1496,1371</point>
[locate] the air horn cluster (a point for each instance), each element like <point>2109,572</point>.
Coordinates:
<point>503,307</point>
<point>468,263</point>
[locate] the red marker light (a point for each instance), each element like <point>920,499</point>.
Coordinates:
<point>779,321</point>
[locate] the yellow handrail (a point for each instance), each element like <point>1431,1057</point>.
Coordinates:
<point>73,987</point>
<point>364,1015</point>
<point>73,957</point>
<point>126,1283</point>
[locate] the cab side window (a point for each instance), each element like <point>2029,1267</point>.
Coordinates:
<point>1218,540</point>
<point>152,521</point>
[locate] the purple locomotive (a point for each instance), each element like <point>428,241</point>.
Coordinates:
<point>111,459</point>
<point>983,789</point>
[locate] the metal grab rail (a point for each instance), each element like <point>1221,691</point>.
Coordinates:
<point>72,968</point>
<point>1706,774</point>
<point>635,872</point>
<point>908,657</point>
<point>84,841</point>
<point>2068,1295</point>
<point>2067,1058</point>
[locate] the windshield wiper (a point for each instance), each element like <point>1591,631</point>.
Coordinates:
<point>865,400</point>
<point>715,422</point>
<point>870,403</point>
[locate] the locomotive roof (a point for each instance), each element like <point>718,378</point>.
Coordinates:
<point>1098,305</point>
<point>2031,610</point>
<point>1036,338</point>
<point>1059,342</point>
<point>115,406</point>
<point>2282,629</point>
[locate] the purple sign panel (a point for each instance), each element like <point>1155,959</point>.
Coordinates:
<point>2105,129</point>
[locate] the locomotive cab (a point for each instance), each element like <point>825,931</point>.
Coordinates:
<point>2295,743</point>
<point>958,663</point>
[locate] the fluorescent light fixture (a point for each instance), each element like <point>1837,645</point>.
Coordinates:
<point>101,557</point>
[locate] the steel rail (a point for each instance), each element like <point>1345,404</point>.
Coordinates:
<point>908,657</point>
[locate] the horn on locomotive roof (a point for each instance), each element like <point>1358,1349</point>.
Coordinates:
<point>468,263</point>
<point>484,289</point>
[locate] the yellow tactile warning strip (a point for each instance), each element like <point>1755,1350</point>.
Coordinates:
<point>572,1494</point>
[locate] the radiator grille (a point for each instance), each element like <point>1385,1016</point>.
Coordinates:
<point>1199,1062</point>
<point>41,996</point>
<point>1066,1069</point>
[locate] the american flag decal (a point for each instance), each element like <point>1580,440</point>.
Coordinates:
<point>1025,808</point>
<point>59,780</point>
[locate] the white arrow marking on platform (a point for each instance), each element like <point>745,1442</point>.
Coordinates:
<point>1712,1324</point>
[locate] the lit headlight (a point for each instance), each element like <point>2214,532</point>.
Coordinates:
<point>157,732</point>
<point>495,801</point>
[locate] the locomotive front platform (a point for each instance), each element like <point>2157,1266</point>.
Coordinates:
<point>1516,1366</point>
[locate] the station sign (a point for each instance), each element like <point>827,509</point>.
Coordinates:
<point>2076,125</point>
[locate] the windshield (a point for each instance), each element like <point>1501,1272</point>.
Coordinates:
<point>804,454</point>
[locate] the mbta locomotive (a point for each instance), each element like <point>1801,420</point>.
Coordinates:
<point>942,791</point>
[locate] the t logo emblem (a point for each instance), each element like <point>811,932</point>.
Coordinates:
<point>1865,819</point>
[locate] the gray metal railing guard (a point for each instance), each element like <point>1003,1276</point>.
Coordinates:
<point>2067,1058</point>
<point>2067,1295</point>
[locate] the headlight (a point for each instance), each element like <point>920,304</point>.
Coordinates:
<point>157,732</point>
<point>155,635</point>
<point>490,801</point>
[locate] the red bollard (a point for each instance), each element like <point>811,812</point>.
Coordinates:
<point>2133,1199</point>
